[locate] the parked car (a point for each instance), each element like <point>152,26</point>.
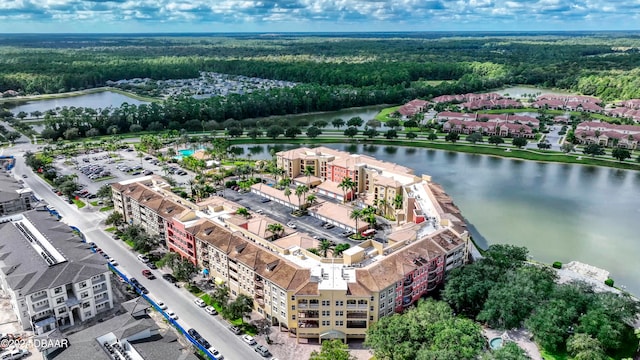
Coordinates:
<point>170,278</point>
<point>14,354</point>
<point>151,265</point>
<point>347,233</point>
<point>161,304</point>
<point>193,332</point>
<point>262,350</point>
<point>113,261</point>
<point>171,314</point>
<point>248,339</point>
<point>200,302</point>
<point>143,258</point>
<point>328,226</point>
<point>265,200</point>
<point>210,310</point>
<point>236,330</point>
<point>148,274</point>
<point>291,225</point>
<point>216,354</point>
<point>116,237</point>
<point>203,342</point>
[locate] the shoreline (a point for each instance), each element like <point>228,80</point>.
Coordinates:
<point>498,152</point>
<point>70,94</point>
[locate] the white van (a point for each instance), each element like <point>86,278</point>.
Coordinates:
<point>143,258</point>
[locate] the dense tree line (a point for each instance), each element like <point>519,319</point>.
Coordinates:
<point>236,111</point>
<point>589,64</point>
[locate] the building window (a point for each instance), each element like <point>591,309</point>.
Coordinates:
<point>58,290</point>
<point>339,313</point>
<point>83,285</point>
<point>86,305</point>
<point>326,313</point>
<point>326,323</point>
<point>84,295</point>
<point>293,317</point>
<point>371,318</point>
<point>382,295</point>
<point>326,303</point>
<point>59,300</point>
<point>293,307</point>
<point>339,303</point>
<point>87,314</point>
<point>339,323</point>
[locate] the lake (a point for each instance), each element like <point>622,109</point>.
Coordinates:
<point>560,212</point>
<point>366,113</point>
<point>516,92</point>
<point>98,100</point>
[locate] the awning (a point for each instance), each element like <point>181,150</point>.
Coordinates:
<point>205,271</point>
<point>333,334</point>
<point>219,281</point>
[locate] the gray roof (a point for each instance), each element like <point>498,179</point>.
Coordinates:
<point>9,187</point>
<point>27,271</point>
<point>83,344</point>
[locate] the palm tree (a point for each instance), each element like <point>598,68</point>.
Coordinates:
<point>356,214</point>
<point>311,199</point>
<point>345,184</point>
<point>276,229</point>
<point>324,247</point>
<point>301,190</point>
<point>287,193</point>
<point>308,171</point>
<point>371,220</point>
<point>243,212</point>
<point>382,206</point>
<point>397,201</point>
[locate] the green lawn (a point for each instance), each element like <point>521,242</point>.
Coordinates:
<point>79,203</point>
<point>110,229</point>
<point>384,114</point>
<point>106,208</point>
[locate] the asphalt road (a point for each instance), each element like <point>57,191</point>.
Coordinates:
<point>212,328</point>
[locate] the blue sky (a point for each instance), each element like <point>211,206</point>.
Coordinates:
<point>90,16</point>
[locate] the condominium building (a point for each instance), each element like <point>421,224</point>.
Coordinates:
<point>315,296</point>
<point>322,298</point>
<point>14,197</point>
<point>52,278</point>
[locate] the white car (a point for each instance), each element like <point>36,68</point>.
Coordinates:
<point>143,258</point>
<point>200,302</point>
<point>210,310</point>
<point>249,339</point>
<point>171,314</point>
<point>216,353</point>
<point>291,225</point>
<point>161,304</point>
<point>14,354</point>
<point>113,261</point>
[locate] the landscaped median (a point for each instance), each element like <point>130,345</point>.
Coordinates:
<point>515,153</point>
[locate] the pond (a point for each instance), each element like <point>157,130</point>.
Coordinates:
<point>560,212</point>
<point>98,100</point>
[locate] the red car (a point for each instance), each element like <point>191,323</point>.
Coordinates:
<point>148,274</point>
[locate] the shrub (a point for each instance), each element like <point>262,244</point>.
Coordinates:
<point>557,265</point>
<point>609,282</point>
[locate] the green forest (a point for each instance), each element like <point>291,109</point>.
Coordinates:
<point>333,72</point>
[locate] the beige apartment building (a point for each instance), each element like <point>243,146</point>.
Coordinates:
<point>313,296</point>
<point>322,298</point>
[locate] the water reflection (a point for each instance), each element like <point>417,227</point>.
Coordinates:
<point>391,150</point>
<point>561,212</point>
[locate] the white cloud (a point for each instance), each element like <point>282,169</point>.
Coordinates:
<point>368,15</point>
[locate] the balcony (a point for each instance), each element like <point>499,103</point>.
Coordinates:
<point>308,314</point>
<point>356,315</point>
<point>35,299</point>
<point>306,324</point>
<point>259,292</point>
<point>98,280</point>
<point>99,289</point>
<point>406,301</point>
<point>351,304</point>
<point>40,308</point>
<point>407,282</point>
<point>407,291</point>
<point>432,277</point>
<point>356,324</point>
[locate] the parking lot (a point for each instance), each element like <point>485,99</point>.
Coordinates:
<point>99,167</point>
<point>282,214</point>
